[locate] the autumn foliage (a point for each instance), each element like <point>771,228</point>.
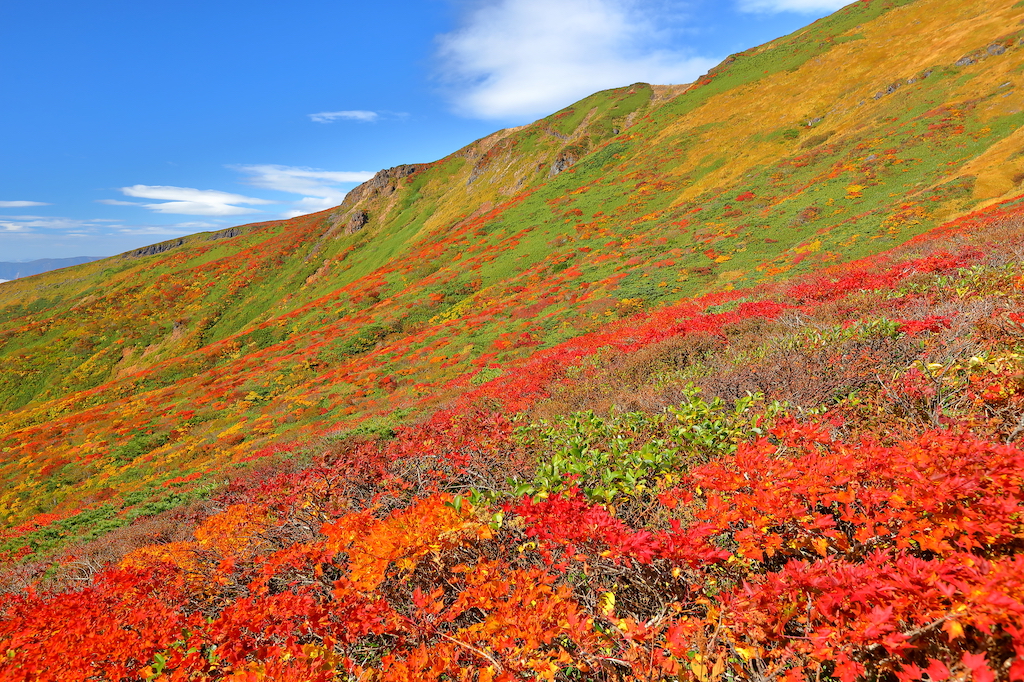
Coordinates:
<point>875,534</point>
<point>585,400</point>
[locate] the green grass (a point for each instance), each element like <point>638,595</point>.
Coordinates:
<point>616,212</point>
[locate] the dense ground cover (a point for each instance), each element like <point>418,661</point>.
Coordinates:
<point>584,400</point>
<point>134,385</point>
<point>816,480</point>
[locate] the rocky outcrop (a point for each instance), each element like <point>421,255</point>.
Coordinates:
<point>349,221</point>
<point>565,159</point>
<point>356,221</point>
<point>384,182</point>
<point>154,249</point>
<point>225,234</point>
<point>994,49</point>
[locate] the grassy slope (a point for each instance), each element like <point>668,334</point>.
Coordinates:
<point>519,535</point>
<point>125,376</point>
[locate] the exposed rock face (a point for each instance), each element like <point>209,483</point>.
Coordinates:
<point>154,249</point>
<point>356,221</point>
<point>343,219</point>
<point>384,182</point>
<point>564,159</point>
<point>225,234</point>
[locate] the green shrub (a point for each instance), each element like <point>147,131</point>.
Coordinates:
<point>604,457</point>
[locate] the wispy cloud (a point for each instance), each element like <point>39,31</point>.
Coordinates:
<point>33,226</point>
<point>21,204</point>
<point>332,116</point>
<point>514,58</point>
<point>299,179</point>
<point>175,230</point>
<point>311,205</point>
<point>196,224</point>
<point>798,6</point>
<point>37,223</point>
<point>27,237</point>
<point>117,202</point>
<point>190,201</point>
<point>319,188</point>
<point>356,115</point>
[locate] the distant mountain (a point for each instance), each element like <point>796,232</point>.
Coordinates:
<point>9,271</point>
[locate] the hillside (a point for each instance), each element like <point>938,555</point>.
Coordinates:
<point>715,381</point>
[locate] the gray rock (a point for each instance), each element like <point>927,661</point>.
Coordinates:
<point>562,161</point>
<point>384,182</point>
<point>356,221</point>
<point>225,234</point>
<point>154,249</point>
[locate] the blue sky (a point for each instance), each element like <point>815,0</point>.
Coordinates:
<point>127,123</point>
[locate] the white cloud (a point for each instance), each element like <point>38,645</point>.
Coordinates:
<point>332,116</point>
<point>31,227</point>
<point>515,58</point>
<point>162,230</point>
<point>300,180</point>
<point>799,6</point>
<point>115,202</point>
<point>34,224</point>
<point>189,201</point>
<point>197,224</point>
<point>319,188</point>
<point>356,115</point>
<point>21,204</point>
<point>311,205</point>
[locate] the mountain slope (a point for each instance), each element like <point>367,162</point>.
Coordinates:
<point>510,536</point>
<point>661,387</point>
<point>176,361</point>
